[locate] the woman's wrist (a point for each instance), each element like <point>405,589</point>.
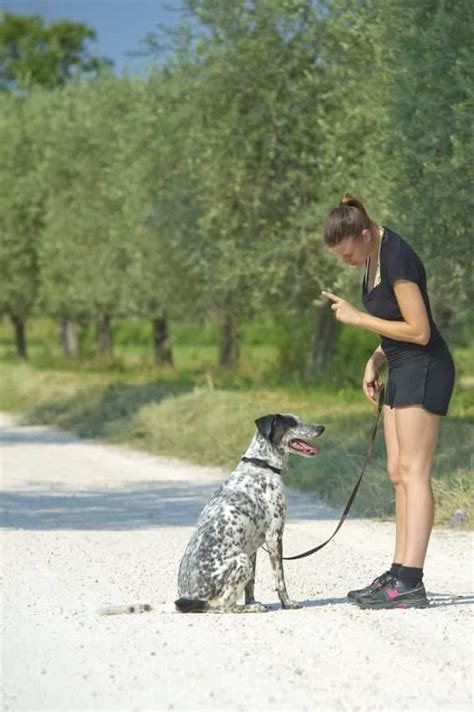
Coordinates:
<point>377,358</point>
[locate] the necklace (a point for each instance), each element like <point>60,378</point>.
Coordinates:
<point>377,278</point>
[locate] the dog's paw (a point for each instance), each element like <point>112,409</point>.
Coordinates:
<point>255,607</point>
<point>291,605</point>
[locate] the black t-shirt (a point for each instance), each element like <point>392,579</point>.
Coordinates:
<point>399,261</point>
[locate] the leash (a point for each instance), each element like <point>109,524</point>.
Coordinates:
<point>348,506</point>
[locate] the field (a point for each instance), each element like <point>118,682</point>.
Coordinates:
<point>200,414</point>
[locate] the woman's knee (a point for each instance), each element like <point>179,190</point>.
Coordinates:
<point>393,472</point>
<point>411,470</point>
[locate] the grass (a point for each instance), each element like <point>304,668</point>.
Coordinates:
<point>194,349</point>
<point>208,419</point>
<point>201,414</point>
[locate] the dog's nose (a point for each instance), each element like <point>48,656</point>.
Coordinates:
<point>321,429</point>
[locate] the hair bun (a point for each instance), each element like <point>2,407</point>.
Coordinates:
<point>348,200</point>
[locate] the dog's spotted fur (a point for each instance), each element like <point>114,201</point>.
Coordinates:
<point>248,510</point>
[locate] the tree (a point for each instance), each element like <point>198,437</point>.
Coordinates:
<point>283,128</point>
<point>35,54</point>
<point>31,55</point>
<point>20,218</point>
<point>160,204</point>
<point>430,103</point>
<point>85,258</point>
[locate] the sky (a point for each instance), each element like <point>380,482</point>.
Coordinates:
<point>120,25</point>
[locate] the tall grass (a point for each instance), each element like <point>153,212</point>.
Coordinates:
<point>198,413</point>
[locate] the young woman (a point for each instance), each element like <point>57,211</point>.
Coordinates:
<point>419,388</point>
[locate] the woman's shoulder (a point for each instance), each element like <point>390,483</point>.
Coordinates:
<point>399,260</point>
<point>396,245</point>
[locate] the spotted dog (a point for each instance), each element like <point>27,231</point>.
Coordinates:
<point>248,510</point>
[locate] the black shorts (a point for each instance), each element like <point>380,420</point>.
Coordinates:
<point>428,382</point>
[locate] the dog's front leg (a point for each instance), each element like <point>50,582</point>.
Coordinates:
<point>275,550</point>
<point>250,587</point>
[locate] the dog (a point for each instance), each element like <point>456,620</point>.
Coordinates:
<point>248,510</point>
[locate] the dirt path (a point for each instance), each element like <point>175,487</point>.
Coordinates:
<point>87,525</point>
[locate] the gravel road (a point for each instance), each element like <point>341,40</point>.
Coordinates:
<point>87,525</point>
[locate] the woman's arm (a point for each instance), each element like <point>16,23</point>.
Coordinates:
<point>371,383</point>
<point>414,328</point>
<point>378,357</point>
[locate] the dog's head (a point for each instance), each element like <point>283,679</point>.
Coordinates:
<point>287,433</point>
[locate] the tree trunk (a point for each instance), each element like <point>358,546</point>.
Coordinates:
<point>324,342</point>
<point>229,346</point>
<point>20,339</point>
<point>104,335</point>
<point>161,341</point>
<point>68,338</point>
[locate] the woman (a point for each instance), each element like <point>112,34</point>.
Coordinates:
<point>420,384</point>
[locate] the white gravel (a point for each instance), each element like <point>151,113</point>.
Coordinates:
<point>88,525</point>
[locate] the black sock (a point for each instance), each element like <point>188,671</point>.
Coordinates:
<point>395,570</point>
<point>410,576</point>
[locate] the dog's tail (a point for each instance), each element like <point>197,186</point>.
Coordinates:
<point>119,610</point>
<point>191,605</point>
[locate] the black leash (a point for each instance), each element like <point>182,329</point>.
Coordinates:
<point>348,506</point>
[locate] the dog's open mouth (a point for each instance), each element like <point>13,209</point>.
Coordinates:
<point>303,448</point>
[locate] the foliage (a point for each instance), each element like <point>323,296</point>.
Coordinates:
<point>430,106</point>
<point>199,192</point>
<point>20,210</point>
<point>88,261</point>
<point>33,54</point>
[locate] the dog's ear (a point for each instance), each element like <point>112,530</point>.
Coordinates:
<point>281,424</point>
<point>265,426</point>
<point>273,427</point>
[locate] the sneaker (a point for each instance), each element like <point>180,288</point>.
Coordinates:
<point>395,594</point>
<point>374,586</point>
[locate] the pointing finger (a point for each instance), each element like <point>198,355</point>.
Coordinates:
<point>330,295</point>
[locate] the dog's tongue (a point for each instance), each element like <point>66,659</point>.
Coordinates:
<point>303,447</point>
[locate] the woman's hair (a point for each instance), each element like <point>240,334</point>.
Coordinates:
<point>347,220</point>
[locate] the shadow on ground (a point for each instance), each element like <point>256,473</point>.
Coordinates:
<point>437,600</point>
<point>140,506</point>
<point>36,436</point>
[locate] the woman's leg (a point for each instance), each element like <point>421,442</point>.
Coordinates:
<point>417,434</point>
<point>391,446</point>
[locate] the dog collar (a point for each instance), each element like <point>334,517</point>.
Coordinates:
<point>261,463</point>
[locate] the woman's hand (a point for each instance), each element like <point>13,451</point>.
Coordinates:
<point>371,384</point>
<point>343,311</point>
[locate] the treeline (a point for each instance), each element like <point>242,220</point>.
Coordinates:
<point>198,193</point>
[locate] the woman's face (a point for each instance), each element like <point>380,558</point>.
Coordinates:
<point>353,251</point>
